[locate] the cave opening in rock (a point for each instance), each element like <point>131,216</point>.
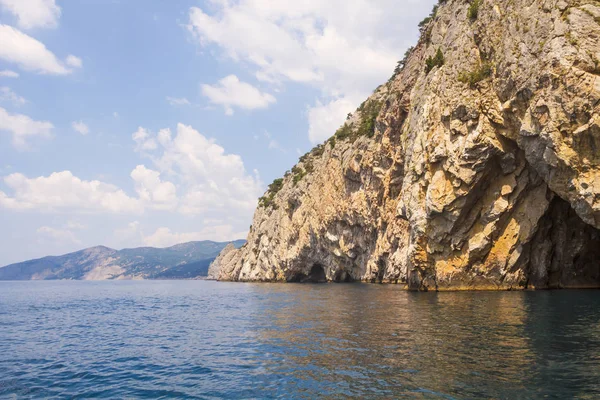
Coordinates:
<point>297,278</point>
<point>565,251</point>
<point>316,275</point>
<point>343,277</point>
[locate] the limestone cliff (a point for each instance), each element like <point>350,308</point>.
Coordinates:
<point>215,266</point>
<point>477,166</point>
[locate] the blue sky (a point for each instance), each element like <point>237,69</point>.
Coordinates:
<point>139,122</point>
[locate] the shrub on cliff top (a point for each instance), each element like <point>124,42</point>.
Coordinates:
<point>345,131</point>
<point>267,199</point>
<point>431,15</point>
<point>401,64</point>
<point>369,110</point>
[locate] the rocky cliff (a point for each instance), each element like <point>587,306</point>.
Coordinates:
<point>215,266</point>
<point>476,166</point>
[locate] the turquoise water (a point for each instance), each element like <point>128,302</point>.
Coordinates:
<point>196,339</point>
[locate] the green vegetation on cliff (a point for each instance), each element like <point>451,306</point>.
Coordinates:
<point>274,187</point>
<point>435,61</point>
<point>481,72</point>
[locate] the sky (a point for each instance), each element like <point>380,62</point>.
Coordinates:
<point>132,123</point>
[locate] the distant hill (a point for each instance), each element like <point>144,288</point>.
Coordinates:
<point>186,260</point>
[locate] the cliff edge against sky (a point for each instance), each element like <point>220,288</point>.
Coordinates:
<point>477,166</point>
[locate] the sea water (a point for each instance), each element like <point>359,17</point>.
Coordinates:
<point>199,339</point>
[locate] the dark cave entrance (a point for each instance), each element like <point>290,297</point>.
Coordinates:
<point>316,275</point>
<point>565,251</point>
<point>343,277</point>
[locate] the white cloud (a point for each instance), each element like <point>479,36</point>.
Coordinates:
<point>343,48</point>
<point>191,176</point>
<point>64,191</point>
<point>164,237</point>
<point>74,61</point>
<point>6,94</point>
<point>29,53</point>
<point>151,189</point>
<point>324,119</point>
<point>178,101</point>
<point>21,127</point>
<point>8,74</point>
<point>230,92</point>
<point>58,235</point>
<point>164,137</point>
<point>214,181</point>
<point>143,140</point>
<point>209,181</point>
<point>80,127</point>
<point>33,13</point>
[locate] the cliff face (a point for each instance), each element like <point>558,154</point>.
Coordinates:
<point>215,266</point>
<point>477,166</point>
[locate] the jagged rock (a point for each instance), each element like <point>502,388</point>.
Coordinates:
<point>483,173</point>
<point>215,266</point>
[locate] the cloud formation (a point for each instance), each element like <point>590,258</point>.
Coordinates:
<point>344,48</point>
<point>191,175</point>
<point>230,92</point>
<point>62,191</point>
<point>6,94</point>
<point>79,126</point>
<point>143,140</point>
<point>33,13</point>
<point>74,61</point>
<point>8,74</point>
<point>152,190</point>
<point>178,101</point>
<point>30,54</point>
<point>22,127</point>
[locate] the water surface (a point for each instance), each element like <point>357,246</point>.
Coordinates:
<point>197,339</point>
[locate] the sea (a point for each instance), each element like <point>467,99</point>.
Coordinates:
<point>213,340</point>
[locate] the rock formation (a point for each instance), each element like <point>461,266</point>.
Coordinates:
<point>476,166</point>
<point>215,266</point>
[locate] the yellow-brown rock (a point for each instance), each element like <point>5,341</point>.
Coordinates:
<point>481,173</point>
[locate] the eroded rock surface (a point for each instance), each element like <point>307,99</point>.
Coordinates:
<point>215,266</point>
<point>480,173</point>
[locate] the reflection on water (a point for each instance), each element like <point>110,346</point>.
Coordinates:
<point>218,340</point>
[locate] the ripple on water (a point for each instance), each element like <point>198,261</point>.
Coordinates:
<point>197,339</point>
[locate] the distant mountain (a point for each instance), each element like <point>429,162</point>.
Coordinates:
<point>186,260</point>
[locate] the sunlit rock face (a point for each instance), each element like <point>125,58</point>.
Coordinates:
<point>215,266</point>
<point>480,171</point>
